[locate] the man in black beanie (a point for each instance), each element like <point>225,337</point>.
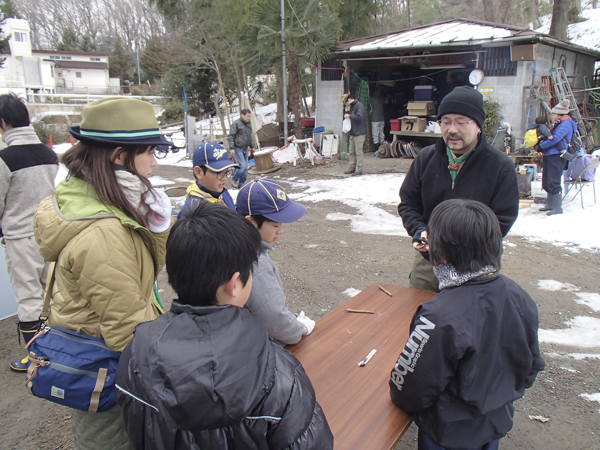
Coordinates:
<point>461,165</point>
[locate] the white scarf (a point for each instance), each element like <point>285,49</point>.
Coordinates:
<point>134,189</point>
<point>21,136</point>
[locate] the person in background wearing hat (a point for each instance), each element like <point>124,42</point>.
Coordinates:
<point>27,172</point>
<point>357,134</point>
<point>205,375</point>
<point>266,205</point>
<point>106,230</point>
<point>552,164</point>
<point>240,143</point>
<point>461,165</point>
<point>212,167</point>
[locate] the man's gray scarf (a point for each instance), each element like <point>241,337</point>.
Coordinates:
<point>21,136</point>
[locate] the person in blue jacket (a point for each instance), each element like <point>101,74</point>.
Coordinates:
<point>212,167</point>
<point>553,165</point>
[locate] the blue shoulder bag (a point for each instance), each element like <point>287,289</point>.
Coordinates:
<point>70,368</point>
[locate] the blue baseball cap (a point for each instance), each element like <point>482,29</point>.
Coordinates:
<point>213,156</point>
<point>266,198</point>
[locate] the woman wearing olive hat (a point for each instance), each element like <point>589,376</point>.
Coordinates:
<point>106,230</point>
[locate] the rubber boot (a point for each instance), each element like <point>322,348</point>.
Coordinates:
<point>28,331</point>
<point>548,206</point>
<point>556,205</point>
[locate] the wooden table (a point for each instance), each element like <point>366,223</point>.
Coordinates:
<point>356,400</point>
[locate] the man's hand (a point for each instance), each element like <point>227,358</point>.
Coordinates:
<point>422,245</point>
<point>346,116</point>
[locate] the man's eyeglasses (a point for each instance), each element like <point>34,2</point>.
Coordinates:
<point>224,174</point>
<point>458,122</point>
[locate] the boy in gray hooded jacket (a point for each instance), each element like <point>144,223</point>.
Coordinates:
<point>266,205</point>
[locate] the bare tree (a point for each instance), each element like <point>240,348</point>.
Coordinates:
<point>558,27</point>
<point>489,11</point>
<point>535,13</point>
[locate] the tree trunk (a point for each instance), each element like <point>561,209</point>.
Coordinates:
<point>489,13</point>
<point>238,79</point>
<point>222,91</point>
<point>279,87</point>
<point>535,14</point>
<point>215,98</point>
<point>295,91</point>
<point>558,27</point>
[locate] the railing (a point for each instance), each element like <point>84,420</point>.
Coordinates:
<point>86,98</point>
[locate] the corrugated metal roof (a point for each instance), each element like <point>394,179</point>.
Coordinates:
<point>78,64</point>
<point>458,32</point>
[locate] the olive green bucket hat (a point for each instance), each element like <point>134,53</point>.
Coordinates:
<point>119,121</point>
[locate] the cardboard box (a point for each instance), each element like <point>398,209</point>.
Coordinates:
<point>411,123</point>
<point>421,109</point>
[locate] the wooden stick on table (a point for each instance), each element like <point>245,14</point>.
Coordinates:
<point>366,311</point>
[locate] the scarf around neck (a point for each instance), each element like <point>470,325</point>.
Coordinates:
<point>133,188</point>
<point>21,136</point>
<point>454,164</point>
<point>449,277</point>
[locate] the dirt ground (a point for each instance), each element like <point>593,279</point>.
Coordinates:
<point>318,259</point>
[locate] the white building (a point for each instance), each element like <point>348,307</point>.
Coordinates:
<point>76,72</point>
<point>48,71</point>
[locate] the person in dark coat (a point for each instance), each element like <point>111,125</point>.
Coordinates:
<point>241,143</point>
<point>205,375</point>
<point>473,349</point>
<point>461,165</point>
<point>553,165</point>
<point>357,134</point>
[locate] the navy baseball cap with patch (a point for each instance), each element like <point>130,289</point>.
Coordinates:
<point>264,197</point>
<point>213,156</point>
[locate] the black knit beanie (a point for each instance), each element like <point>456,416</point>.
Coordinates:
<point>466,101</point>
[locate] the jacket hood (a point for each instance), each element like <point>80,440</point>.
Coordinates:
<point>215,356</point>
<point>73,208</point>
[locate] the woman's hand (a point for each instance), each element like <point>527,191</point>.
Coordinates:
<point>159,215</point>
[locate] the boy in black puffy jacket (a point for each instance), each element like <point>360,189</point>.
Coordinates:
<point>473,349</point>
<point>205,375</point>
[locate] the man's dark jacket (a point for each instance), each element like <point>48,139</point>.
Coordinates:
<point>487,175</point>
<point>210,378</point>
<point>472,351</point>
<point>358,119</point>
<point>240,135</point>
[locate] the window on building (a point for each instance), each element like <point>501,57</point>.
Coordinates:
<point>20,37</point>
<point>77,74</point>
<point>65,57</point>
<point>54,57</point>
<point>94,59</point>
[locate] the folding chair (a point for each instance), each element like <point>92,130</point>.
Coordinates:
<point>578,181</point>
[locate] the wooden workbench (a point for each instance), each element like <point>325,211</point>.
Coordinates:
<point>356,399</point>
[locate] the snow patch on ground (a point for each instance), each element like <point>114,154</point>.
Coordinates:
<point>553,285</point>
<point>351,292</point>
<point>582,332</point>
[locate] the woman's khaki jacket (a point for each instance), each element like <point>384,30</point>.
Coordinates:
<point>106,264</point>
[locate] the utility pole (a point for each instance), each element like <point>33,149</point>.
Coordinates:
<point>285,113</point>
<point>137,52</point>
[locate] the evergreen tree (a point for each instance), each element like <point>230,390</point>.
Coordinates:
<point>358,17</point>
<point>155,59</point>
<point>8,10</point>
<point>120,61</point>
<point>3,46</point>
<point>69,41</point>
<point>86,44</point>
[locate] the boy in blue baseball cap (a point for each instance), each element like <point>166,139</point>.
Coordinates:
<point>212,167</point>
<point>267,206</point>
